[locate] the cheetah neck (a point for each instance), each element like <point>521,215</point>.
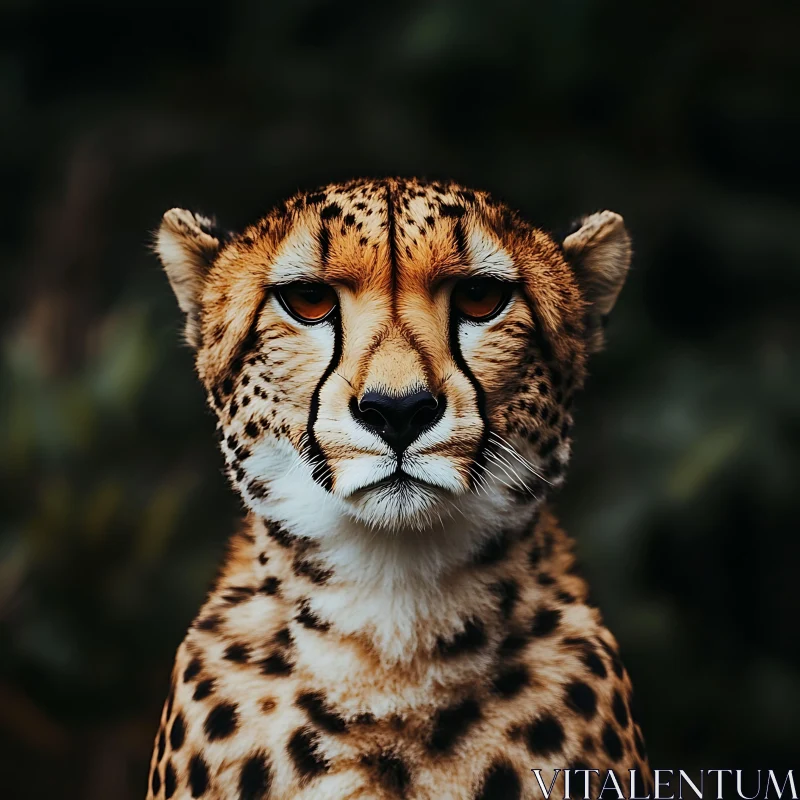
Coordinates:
<point>399,597</point>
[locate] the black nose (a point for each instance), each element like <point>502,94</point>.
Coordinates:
<point>397,420</point>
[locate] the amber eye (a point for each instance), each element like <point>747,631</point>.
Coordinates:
<point>308,302</point>
<point>480,298</point>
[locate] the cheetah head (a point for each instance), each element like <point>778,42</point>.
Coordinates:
<point>393,353</point>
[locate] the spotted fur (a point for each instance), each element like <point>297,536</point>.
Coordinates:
<point>394,625</point>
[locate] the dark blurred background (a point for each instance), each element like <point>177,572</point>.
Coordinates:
<point>682,116</point>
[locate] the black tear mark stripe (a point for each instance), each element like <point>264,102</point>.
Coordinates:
<point>455,349</point>
<point>318,458</point>
<point>480,396</point>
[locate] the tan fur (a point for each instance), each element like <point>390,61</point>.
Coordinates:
<point>430,640</point>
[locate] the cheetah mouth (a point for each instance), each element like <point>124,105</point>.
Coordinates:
<point>397,482</point>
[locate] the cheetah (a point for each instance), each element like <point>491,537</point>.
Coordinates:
<point>392,366</point>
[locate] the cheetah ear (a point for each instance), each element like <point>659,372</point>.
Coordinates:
<point>599,251</point>
<point>187,245</point>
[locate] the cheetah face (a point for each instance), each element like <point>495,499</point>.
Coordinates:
<point>393,348</point>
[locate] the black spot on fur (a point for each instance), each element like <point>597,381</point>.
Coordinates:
<point>545,736</point>
<point>303,750</point>
<point>198,776</point>
<point>546,579</point>
<point>451,210</point>
<point>316,199</point>
<point>208,623</point>
<point>494,549</point>
<point>283,637</point>
<point>581,697</point>
<point>308,619</point>
<point>203,689</point>
<point>511,681</point>
<point>276,664</point>
<point>221,721</point>
<point>177,733</point>
<point>620,712</point>
<point>237,594</point>
<point>320,714</point>
<point>616,663</point>
<point>500,783</point>
<point>314,573</point>
<point>508,593</point>
<point>258,490</point>
<point>192,670</point>
<point>155,781</point>
<point>162,744</point>
<point>611,743</point>
<point>589,656</point>
<point>595,663</point>
<point>391,772</point>
<point>472,638</point>
<point>251,429</point>
<point>545,621</point>
<point>548,445</point>
<point>271,585</point>
<point>170,781</point>
<point>451,724</point>
<point>255,778</point>
<point>512,644</point>
<point>280,535</point>
<point>331,211</point>
<point>237,652</point>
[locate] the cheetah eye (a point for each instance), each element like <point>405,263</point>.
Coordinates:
<point>308,302</point>
<point>480,299</point>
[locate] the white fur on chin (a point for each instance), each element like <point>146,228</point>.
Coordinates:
<point>389,551</point>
